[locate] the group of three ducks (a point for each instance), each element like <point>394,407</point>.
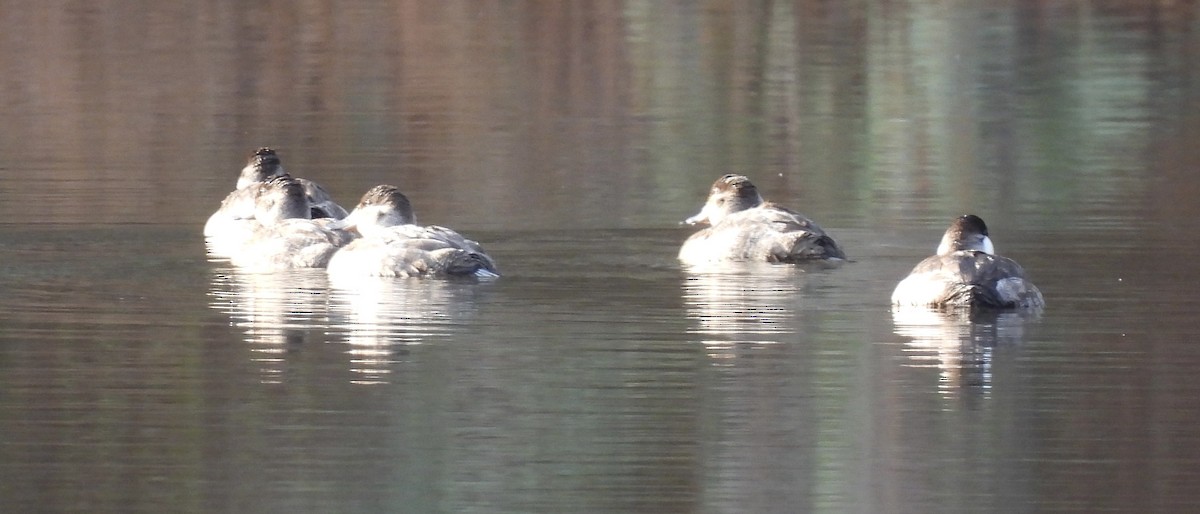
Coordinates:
<point>274,221</point>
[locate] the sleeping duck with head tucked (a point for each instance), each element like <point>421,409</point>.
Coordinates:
<point>263,165</point>
<point>281,233</point>
<point>744,227</point>
<point>967,273</point>
<point>393,245</point>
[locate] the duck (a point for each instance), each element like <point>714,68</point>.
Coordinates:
<point>966,273</point>
<point>263,165</point>
<point>281,234</point>
<point>744,227</point>
<point>392,244</point>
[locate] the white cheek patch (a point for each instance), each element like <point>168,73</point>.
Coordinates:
<point>944,248</point>
<point>987,246</point>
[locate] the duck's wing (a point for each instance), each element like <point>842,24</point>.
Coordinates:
<point>1005,280</point>
<point>412,251</point>
<point>376,257</point>
<point>783,219</point>
<point>796,238</point>
<point>339,236</point>
<point>772,234</point>
<point>289,244</point>
<point>466,257</point>
<point>798,246</point>
<point>973,279</point>
<point>321,202</point>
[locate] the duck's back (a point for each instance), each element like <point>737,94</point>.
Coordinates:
<point>240,205</point>
<point>291,243</point>
<point>321,202</point>
<point>767,233</point>
<point>968,279</point>
<point>412,251</point>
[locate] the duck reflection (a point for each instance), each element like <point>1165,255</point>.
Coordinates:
<point>756,322</point>
<point>959,343</point>
<point>279,312</point>
<point>379,319</point>
<point>382,317</point>
<point>740,304</point>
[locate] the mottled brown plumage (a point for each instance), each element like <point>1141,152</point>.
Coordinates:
<point>743,227</point>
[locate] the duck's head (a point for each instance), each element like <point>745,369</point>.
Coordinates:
<point>280,198</point>
<point>967,232</point>
<point>382,206</point>
<point>262,165</point>
<point>729,194</point>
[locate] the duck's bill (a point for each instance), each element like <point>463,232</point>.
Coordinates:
<point>483,273</point>
<point>696,220</point>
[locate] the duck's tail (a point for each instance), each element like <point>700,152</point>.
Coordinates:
<point>466,263</point>
<point>975,296</point>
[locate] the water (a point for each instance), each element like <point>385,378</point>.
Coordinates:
<point>597,375</point>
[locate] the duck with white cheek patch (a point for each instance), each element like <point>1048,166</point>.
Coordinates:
<point>967,273</point>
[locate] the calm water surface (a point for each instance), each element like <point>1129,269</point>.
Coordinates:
<point>598,375</point>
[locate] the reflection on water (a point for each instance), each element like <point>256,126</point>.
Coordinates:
<point>574,135</point>
<point>765,398</point>
<point>741,303</point>
<point>379,317</point>
<point>959,343</point>
<point>278,312</point>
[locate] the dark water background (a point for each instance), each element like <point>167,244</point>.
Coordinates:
<point>597,375</point>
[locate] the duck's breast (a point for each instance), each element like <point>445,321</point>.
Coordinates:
<point>237,206</point>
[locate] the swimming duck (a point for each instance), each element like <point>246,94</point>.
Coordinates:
<point>744,227</point>
<point>264,164</point>
<point>393,245</point>
<point>966,272</point>
<point>281,234</point>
